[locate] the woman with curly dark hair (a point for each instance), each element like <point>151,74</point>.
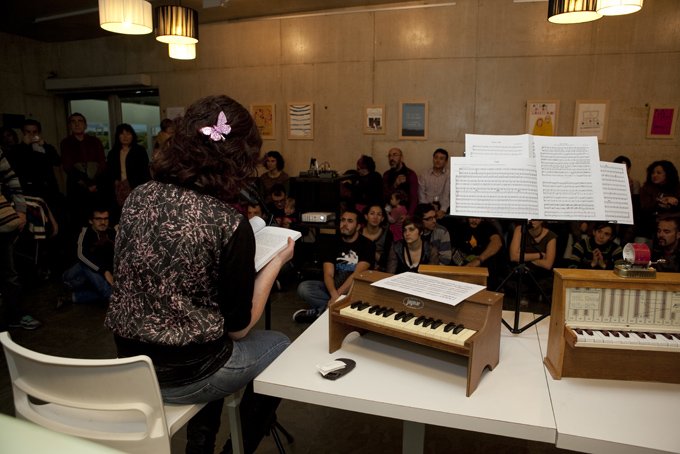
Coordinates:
<point>275,175</point>
<point>185,290</point>
<point>659,195</point>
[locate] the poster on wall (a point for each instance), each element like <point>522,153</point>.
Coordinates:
<point>661,123</point>
<point>264,115</point>
<point>592,118</point>
<point>300,120</point>
<point>542,116</point>
<point>374,119</point>
<point>413,120</point>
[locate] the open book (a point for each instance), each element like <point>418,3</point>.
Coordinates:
<point>269,241</point>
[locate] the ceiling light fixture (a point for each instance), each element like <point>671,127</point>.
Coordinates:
<point>572,11</point>
<point>129,17</point>
<point>618,7</point>
<point>176,24</point>
<point>182,51</point>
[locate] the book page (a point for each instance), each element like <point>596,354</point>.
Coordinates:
<point>617,200</point>
<point>257,223</point>
<point>269,241</point>
<point>439,289</point>
<point>568,175</point>
<point>494,188</point>
<point>498,147</point>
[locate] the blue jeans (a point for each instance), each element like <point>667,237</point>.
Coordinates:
<point>87,285</point>
<point>315,293</point>
<point>250,356</point>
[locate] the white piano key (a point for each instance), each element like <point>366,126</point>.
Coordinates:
<point>580,335</point>
<point>463,336</point>
<point>642,340</point>
<point>606,338</point>
<point>656,339</point>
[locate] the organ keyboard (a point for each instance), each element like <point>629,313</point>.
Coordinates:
<point>471,328</point>
<point>606,326</point>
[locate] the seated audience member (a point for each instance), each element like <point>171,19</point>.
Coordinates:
<point>659,195</point>
<point>277,203</point>
<point>8,138</point>
<point>436,234</point>
<point>254,210</point>
<point>368,187</point>
<point>377,231</point>
<point>186,292</point>
<point>479,242</point>
<point>400,178</point>
<point>408,253</point>
<point>634,184</point>
<point>668,244</point>
<point>275,176</point>
<point>434,184</point>
<point>598,251</point>
<point>540,252</point>
<point>91,277</point>
<point>397,212</point>
<point>350,254</point>
<point>289,215</point>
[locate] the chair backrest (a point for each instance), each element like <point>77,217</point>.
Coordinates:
<point>116,402</point>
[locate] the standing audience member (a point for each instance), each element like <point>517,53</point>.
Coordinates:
<point>186,293</point>
<point>397,213</point>
<point>84,162</point>
<point>540,252</point>
<point>434,184</point>
<point>376,231</point>
<point>437,235</point>
<point>10,288</point>
<point>274,176</point>
<point>368,188</point>
<point>668,244</point>
<point>8,138</point>
<point>127,165</point>
<point>598,251</point>
<point>349,255</point>
<point>400,178</point>
<point>91,277</point>
<point>659,195</point>
<point>411,251</point>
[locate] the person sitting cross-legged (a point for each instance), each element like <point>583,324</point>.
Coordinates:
<point>350,254</point>
<point>90,278</point>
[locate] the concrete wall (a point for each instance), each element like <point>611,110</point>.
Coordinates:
<point>476,63</point>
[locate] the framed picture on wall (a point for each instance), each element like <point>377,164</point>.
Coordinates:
<point>591,119</point>
<point>542,116</point>
<point>300,120</point>
<point>264,115</point>
<point>374,119</point>
<point>661,123</point>
<point>413,120</point>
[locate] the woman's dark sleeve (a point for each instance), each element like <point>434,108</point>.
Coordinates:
<point>392,261</point>
<point>387,249</point>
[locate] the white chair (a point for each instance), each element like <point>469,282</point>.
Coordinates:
<point>114,402</point>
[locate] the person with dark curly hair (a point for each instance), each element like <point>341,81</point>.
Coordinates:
<point>273,177</point>
<point>185,290</point>
<point>659,195</point>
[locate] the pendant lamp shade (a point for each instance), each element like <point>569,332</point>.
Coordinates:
<point>182,51</point>
<point>176,25</point>
<point>618,7</point>
<point>129,17</point>
<point>572,11</point>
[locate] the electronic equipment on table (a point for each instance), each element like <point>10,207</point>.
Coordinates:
<point>318,216</point>
<point>470,329</point>
<point>611,327</point>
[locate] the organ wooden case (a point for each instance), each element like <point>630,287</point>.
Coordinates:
<point>606,326</point>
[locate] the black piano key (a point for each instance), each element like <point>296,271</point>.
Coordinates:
<point>437,324</point>
<point>356,304</point>
<point>407,318</point>
<point>652,335</point>
<point>614,333</point>
<point>364,306</point>
<point>578,331</point>
<point>388,312</point>
<point>420,320</point>
<point>449,327</point>
<point>676,335</point>
<point>400,315</point>
<point>624,334</point>
<point>458,329</point>
<point>667,336</point>
<point>373,309</point>
<point>640,334</point>
<point>428,322</point>
<point>380,311</point>
<point>604,333</point>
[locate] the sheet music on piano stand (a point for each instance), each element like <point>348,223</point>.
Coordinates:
<point>435,288</point>
<point>537,177</point>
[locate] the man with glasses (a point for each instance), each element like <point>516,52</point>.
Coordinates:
<point>438,235</point>
<point>91,277</point>
<point>278,204</point>
<point>400,177</point>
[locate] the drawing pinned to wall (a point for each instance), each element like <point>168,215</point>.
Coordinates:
<point>542,117</point>
<point>300,120</point>
<point>592,119</point>
<point>661,124</point>
<point>374,119</point>
<point>264,115</point>
<point>413,118</point>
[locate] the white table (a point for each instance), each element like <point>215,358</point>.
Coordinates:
<point>602,416</point>
<point>420,385</point>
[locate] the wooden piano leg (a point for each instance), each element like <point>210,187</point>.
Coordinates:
<point>337,332</point>
<point>476,365</point>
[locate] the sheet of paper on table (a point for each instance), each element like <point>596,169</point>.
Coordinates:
<point>434,288</point>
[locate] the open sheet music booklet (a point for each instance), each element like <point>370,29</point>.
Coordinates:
<point>269,241</point>
<point>536,177</point>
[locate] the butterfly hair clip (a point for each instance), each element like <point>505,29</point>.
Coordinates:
<point>218,131</point>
